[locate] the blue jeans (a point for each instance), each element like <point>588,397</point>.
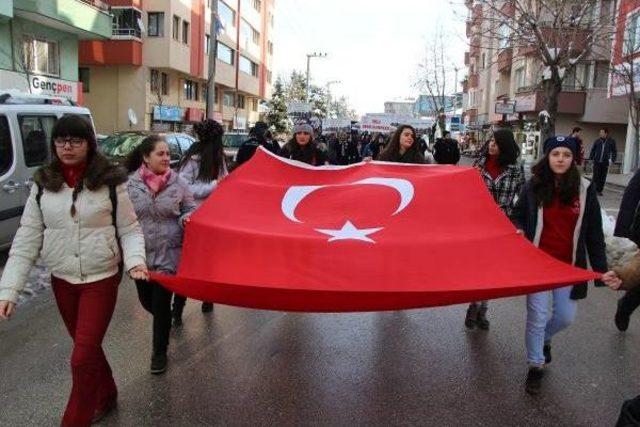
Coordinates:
<point>540,326</point>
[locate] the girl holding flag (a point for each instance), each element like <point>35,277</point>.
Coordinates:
<point>504,178</point>
<point>558,211</point>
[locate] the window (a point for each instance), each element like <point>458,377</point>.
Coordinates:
<point>176,28</point>
<point>241,102</point>
<point>225,54</point>
<point>484,61</point>
<point>269,76</point>
<point>254,104</point>
<point>36,131</point>
<point>257,4</point>
<point>125,22</point>
<point>228,99</point>
<point>632,34</point>
<point>270,47</point>
<point>185,32</point>
<point>165,84</point>
<point>161,79</point>
<point>83,76</point>
<point>41,56</point>
<point>190,90</point>
<point>505,35</point>
<point>185,142</point>
<point>601,74</point>
<point>207,42</point>
<point>174,149</point>
<point>227,15</point>
<point>519,78</point>
<point>6,148</point>
<point>155,24</point>
<point>248,66</point>
<point>249,33</point>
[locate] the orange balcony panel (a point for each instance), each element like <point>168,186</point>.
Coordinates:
<point>505,58</point>
<point>134,3</point>
<point>570,102</point>
<point>110,52</point>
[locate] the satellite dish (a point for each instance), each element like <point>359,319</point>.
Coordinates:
<point>133,118</point>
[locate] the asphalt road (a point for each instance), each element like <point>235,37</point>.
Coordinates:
<point>248,367</point>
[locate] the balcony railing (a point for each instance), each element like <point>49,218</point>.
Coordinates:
<point>98,4</point>
<point>126,32</point>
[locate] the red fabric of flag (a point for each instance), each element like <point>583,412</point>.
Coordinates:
<point>281,235</point>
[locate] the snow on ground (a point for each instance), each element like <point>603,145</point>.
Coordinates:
<point>619,249</point>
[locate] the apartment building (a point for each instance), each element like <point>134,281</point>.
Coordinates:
<point>400,107</point>
<point>154,68</point>
<point>500,73</point>
<point>39,43</point>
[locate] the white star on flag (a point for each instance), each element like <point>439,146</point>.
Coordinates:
<point>350,232</point>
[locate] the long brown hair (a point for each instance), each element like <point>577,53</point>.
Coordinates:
<point>545,183</point>
<point>391,153</point>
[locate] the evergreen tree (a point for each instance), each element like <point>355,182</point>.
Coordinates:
<point>277,114</point>
<point>319,100</point>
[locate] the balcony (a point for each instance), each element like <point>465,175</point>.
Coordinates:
<point>505,59</point>
<point>561,38</point>
<point>473,81</point>
<point>476,14</point>
<point>465,86</point>
<point>109,52</point>
<point>530,100</point>
<point>88,19</point>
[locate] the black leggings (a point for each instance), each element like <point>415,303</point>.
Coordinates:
<point>157,301</point>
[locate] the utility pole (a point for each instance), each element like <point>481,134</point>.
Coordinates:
<point>309,56</point>
<point>213,54</point>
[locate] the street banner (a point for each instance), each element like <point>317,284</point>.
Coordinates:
<point>281,235</point>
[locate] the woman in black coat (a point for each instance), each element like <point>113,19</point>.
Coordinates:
<point>558,211</point>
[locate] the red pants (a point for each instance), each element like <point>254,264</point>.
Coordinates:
<point>86,310</point>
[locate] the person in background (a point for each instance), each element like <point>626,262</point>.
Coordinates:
<point>504,178</point>
<point>79,220</point>
<point>403,147</point>
<point>576,134</point>
<point>446,151</point>
<point>257,137</point>
<point>303,148</point>
<point>163,202</point>
<point>558,211</point>
<point>203,167</point>
<point>628,226</point>
<point>603,153</point>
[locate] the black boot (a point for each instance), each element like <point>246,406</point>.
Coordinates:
<point>472,316</point>
<point>546,350</point>
<point>207,307</point>
<point>176,314</point>
<point>622,318</point>
<point>482,321</point>
<point>158,362</point>
<point>534,380</point>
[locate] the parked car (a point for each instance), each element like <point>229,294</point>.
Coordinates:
<point>232,142</point>
<point>118,145</point>
<point>26,122</point>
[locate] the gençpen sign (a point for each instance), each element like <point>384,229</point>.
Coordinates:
<point>48,86</point>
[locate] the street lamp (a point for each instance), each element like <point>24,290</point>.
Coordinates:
<point>309,56</point>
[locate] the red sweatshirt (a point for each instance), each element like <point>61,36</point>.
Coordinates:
<point>558,228</point>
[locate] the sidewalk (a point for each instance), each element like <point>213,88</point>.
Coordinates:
<point>619,180</point>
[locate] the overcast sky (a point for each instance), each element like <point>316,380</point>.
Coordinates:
<point>373,47</point>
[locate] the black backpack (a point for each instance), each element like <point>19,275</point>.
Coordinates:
<point>113,196</point>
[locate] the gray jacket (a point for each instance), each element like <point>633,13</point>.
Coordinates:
<point>161,219</point>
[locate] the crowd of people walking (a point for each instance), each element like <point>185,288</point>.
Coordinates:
<point>91,221</point>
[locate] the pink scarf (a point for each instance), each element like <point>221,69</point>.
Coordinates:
<point>155,182</point>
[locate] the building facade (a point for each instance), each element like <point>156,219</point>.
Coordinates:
<point>499,73</point>
<point>153,72</point>
<point>403,107</point>
<point>39,43</point>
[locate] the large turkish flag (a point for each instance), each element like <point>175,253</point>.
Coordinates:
<point>281,235</point>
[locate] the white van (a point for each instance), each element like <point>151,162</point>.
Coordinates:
<point>26,122</point>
